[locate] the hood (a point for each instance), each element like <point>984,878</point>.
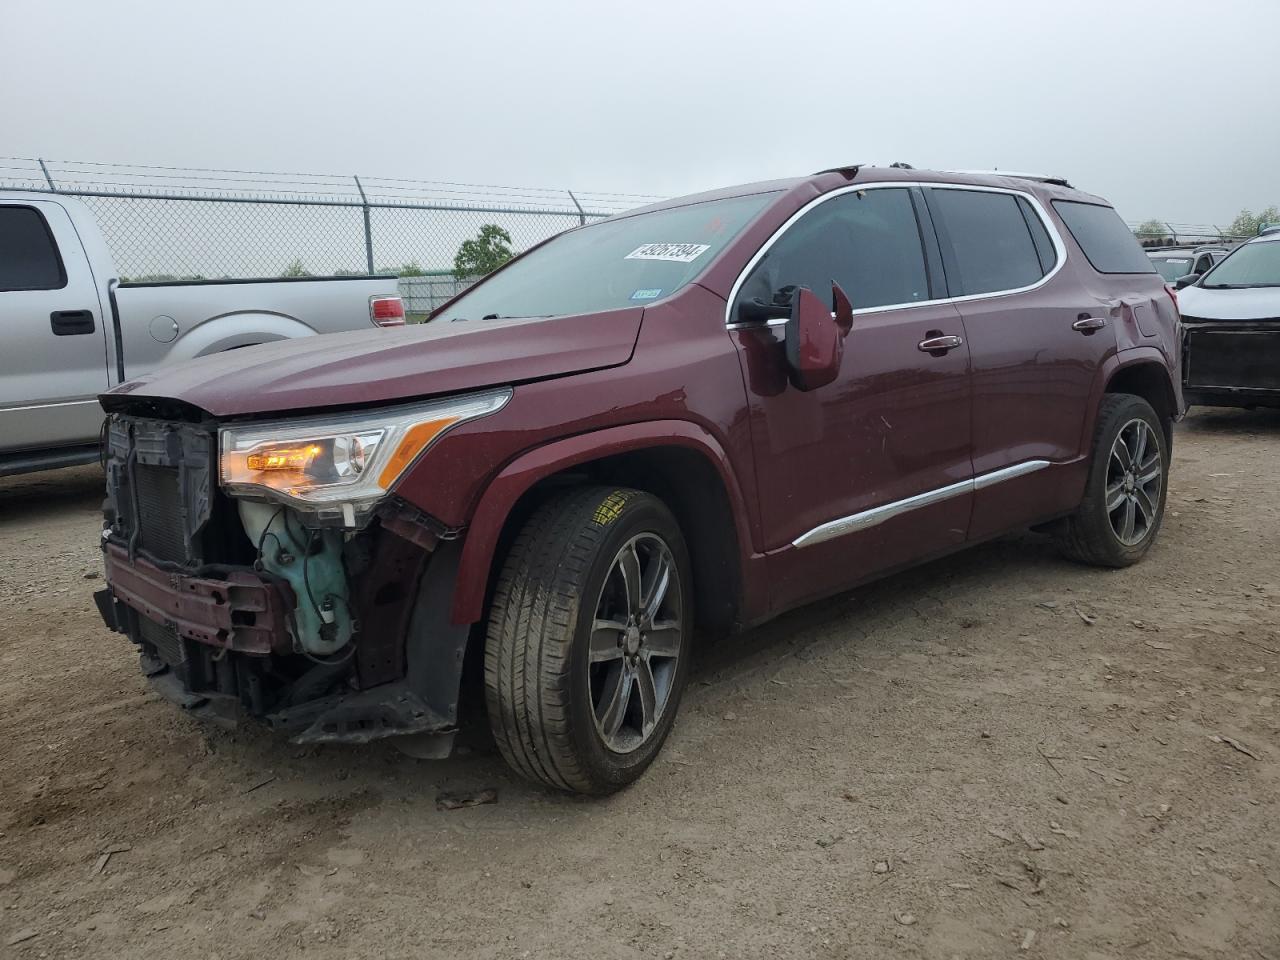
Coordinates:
<point>390,365</point>
<point>1256,303</point>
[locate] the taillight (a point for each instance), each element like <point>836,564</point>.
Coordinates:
<point>386,310</point>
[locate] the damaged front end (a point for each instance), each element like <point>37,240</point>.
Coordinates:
<point>324,616</point>
<point>1231,363</point>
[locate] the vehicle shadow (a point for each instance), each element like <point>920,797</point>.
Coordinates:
<point>33,497</point>
<point>1232,421</point>
<point>924,593</point>
<point>942,597</point>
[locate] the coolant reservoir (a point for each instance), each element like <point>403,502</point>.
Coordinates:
<point>310,561</point>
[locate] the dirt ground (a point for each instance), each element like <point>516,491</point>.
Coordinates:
<point>996,755</point>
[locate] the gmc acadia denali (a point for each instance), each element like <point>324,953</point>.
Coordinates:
<point>682,420</point>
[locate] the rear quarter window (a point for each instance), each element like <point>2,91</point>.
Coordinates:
<point>1107,243</point>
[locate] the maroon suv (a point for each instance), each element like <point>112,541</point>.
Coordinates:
<point>679,421</point>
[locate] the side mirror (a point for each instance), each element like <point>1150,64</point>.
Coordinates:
<point>815,337</point>
<point>1186,281</point>
<point>756,310</point>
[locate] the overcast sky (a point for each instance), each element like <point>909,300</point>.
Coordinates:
<point>1167,108</point>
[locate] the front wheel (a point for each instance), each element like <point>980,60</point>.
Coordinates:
<point>1125,494</point>
<point>588,639</point>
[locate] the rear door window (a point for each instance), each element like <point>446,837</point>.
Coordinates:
<point>28,258</point>
<point>867,241</point>
<point>1109,245</point>
<point>1039,235</point>
<point>991,246</point>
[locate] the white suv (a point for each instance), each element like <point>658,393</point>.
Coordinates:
<point>1231,318</point>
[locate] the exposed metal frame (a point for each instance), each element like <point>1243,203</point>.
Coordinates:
<point>866,519</point>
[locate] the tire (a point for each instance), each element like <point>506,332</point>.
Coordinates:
<point>553,667</point>
<point>1100,536</point>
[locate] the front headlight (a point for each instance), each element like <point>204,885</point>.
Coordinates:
<point>339,467</point>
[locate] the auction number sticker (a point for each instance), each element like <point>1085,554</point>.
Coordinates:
<point>675,252</point>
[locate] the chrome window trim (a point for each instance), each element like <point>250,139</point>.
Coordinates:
<point>866,519</point>
<point>1058,245</point>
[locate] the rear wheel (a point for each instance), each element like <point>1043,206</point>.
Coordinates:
<point>1124,498</point>
<point>588,636</point>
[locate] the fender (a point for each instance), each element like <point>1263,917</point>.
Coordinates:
<point>231,330</point>
<point>1113,365</point>
<point>513,481</point>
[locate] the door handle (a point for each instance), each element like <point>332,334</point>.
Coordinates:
<point>940,344</point>
<point>71,323</point>
<point>1087,324</point>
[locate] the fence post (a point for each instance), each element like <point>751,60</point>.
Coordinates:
<point>368,232</point>
<point>45,170</point>
<point>582,214</point>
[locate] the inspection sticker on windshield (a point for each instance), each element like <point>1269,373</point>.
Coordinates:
<point>676,252</point>
<point>651,293</point>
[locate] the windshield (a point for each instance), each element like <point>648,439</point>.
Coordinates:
<point>1171,268</point>
<point>627,262</point>
<point>1254,264</point>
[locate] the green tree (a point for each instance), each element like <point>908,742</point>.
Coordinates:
<point>483,254</point>
<point>296,269</point>
<point>410,268</point>
<point>1247,224</point>
<point>1151,230</point>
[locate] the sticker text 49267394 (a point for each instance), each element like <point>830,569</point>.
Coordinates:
<point>676,252</point>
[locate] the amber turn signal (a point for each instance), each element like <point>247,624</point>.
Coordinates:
<point>282,458</point>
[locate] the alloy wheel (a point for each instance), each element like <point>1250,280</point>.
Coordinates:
<point>636,640</point>
<point>1135,472</point>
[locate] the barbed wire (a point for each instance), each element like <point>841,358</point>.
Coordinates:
<point>233,181</point>
<point>169,222</point>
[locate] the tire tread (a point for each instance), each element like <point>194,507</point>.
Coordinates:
<point>1086,537</point>
<point>533,614</point>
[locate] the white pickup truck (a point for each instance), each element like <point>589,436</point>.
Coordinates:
<point>70,330</point>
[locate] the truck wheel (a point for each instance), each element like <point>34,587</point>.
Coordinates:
<point>588,640</point>
<point>1124,497</point>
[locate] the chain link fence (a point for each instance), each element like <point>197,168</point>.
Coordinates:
<point>198,223</point>
<point>173,223</point>
<point>1182,235</point>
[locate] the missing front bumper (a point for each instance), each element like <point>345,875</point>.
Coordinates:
<point>232,609</point>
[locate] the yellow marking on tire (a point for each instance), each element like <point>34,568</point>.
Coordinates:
<point>609,510</point>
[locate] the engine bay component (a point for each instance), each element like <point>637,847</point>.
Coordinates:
<point>310,561</point>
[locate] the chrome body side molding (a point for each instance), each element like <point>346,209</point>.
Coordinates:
<point>878,515</point>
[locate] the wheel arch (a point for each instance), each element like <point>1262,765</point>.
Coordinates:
<point>234,330</point>
<point>677,461</point>
<point>1149,379</point>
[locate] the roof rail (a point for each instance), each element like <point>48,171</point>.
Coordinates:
<point>1037,177</point>
<point>849,171</point>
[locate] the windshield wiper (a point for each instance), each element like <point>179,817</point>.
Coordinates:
<point>1237,286</point>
